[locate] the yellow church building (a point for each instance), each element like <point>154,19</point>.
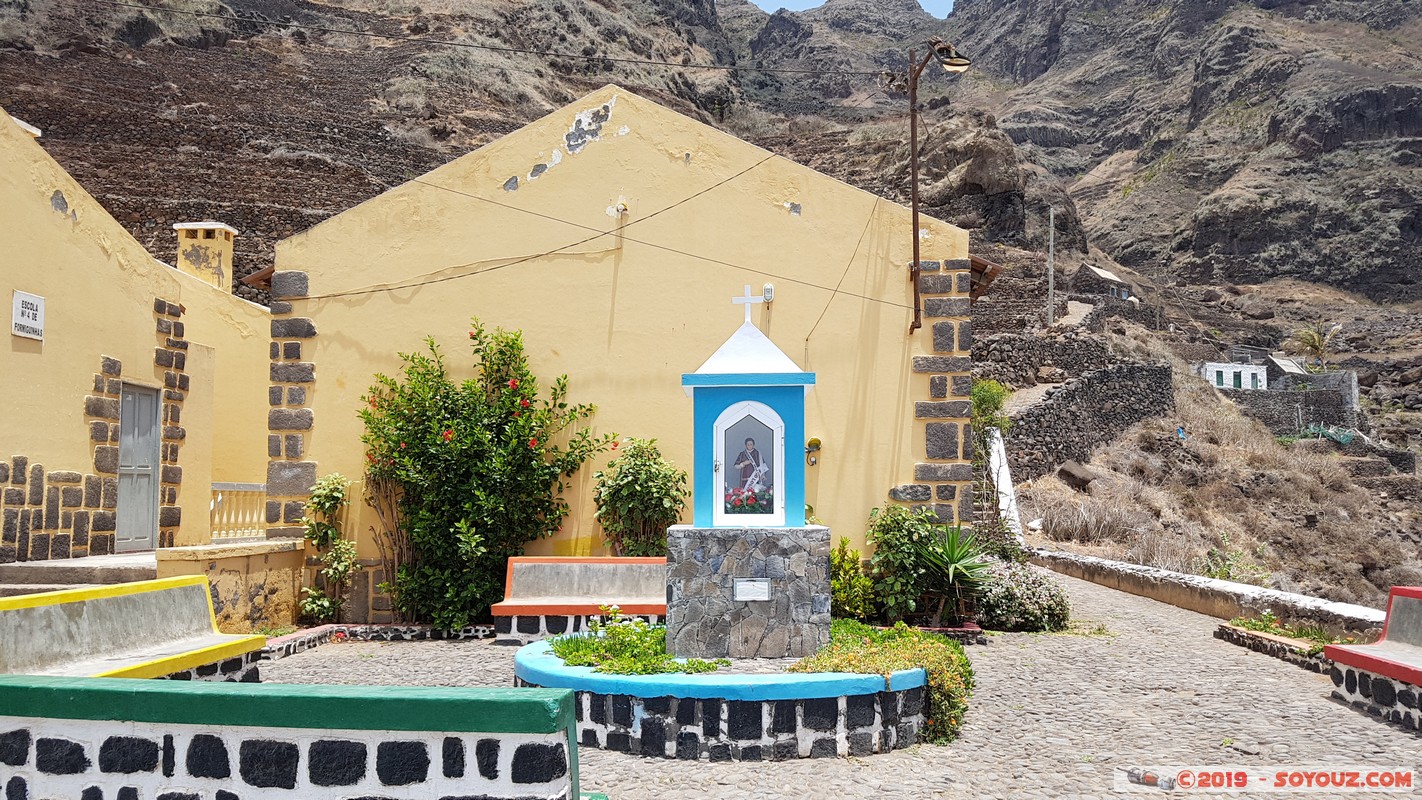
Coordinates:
<point>613,232</point>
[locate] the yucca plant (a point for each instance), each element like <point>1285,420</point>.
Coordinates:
<point>954,568</point>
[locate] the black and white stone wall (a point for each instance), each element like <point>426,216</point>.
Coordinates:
<point>692,729</point>
<point>300,642</point>
<point>521,629</point>
<point>100,760</point>
<point>1287,412</point>
<point>1018,359</point>
<point>1387,699</point>
<point>238,669</point>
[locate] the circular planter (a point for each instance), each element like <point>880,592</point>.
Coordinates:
<point>731,717</point>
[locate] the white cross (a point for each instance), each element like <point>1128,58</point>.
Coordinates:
<point>748,300</point>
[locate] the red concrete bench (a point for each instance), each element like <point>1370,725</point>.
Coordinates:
<point>549,595</point>
<point>1384,679</point>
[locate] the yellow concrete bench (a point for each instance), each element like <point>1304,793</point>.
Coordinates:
<point>146,629</point>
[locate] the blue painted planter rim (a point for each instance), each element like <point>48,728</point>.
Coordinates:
<point>536,664</point>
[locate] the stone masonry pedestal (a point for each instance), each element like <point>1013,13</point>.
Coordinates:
<point>705,621</point>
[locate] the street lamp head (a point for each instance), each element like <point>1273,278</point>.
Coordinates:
<point>949,58</point>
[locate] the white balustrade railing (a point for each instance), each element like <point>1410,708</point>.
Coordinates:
<point>238,511</point>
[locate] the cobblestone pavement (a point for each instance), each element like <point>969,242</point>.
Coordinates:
<point>1052,716</point>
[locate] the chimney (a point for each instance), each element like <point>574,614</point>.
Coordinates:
<point>34,132</point>
<point>205,251</point>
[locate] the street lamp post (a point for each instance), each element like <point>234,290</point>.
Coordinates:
<point>954,63</point>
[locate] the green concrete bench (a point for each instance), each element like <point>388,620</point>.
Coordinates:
<point>149,739</point>
<point>146,629</point>
<point>1385,678</point>
<point>549,595</point>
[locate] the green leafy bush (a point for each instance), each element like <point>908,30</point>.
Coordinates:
<point>622,646</point>
<point>472,470</point>
<point>895,533</point>
<point>638,496</point>
<point>1017,597</point>
<point>997,541</point>
<point>855,647</point>
<point>1229,562</point>
<point>851,591</point>
<point>324,601</point>
<point>917,560</point>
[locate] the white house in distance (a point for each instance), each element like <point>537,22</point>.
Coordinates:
<point>1224,375</point>
<point>1254,368</point>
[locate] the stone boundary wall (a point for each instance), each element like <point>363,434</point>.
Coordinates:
<point>1014,359</point>
<point>1389,700</point>
<point>1404,461</point>
<point>1084,413</point>
<point>299,642</point>
<point>521,629</point>
<point>1286,413</point>
<point>1108,307</point>
<point>994,315</point>
<point>1275,646</point>
<point>92,738</point>
<point>1210,596</point>
<point>713,729</point>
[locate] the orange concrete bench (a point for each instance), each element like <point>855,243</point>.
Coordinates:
<point>550,595</point>
<point>1384,679</point>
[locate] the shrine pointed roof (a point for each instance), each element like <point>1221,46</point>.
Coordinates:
<point>748,351</point>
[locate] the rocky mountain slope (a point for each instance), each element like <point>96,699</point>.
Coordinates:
<point>1222,142</point>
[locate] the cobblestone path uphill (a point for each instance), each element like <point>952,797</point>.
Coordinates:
<point>1052,716</point>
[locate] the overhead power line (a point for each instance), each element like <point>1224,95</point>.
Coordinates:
<point>599,233</point>
<point>490,47</point>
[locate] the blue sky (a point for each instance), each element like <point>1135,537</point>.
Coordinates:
<point>938,8</point>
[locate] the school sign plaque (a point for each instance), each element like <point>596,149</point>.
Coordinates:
<point>27,316</point>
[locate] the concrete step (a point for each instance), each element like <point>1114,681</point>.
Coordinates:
<point>89,570</point>
<point>16,589</point>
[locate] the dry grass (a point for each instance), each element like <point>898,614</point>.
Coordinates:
<point>1231,488</point>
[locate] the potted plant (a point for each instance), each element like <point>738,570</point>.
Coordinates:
<point>954,569</point>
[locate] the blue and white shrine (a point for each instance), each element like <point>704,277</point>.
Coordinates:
<point>749,422</point>
<point>748,578</point>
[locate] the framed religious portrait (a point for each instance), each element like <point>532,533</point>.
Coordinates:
<point>750,465</point>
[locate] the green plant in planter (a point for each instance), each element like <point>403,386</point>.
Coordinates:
<point>638,496</point>
<point>953,571</point>
<point>622,646</point>
<point>851,591</point>
<point>468,472</point>
<point>855,647</point>
<point>323,602</point>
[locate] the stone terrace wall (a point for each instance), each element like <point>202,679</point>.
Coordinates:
<point>1111,307</point>
<point>1285,413</point>
<point>1015,304</point>
<point>1014,359</point>
<point>1087,412</point>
